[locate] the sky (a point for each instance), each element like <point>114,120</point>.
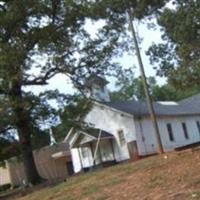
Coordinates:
<point>149,36</point>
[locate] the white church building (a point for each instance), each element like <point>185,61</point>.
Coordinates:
<point>122,130</point>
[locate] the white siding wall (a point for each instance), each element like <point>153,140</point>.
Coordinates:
<point>112,121</point>
<point>4,176</point>
<point>106,151</point>
<point>144,129</point>
<point>86,157</point>
<point>76,160</point>
<point>106,155</point>
<point>141,130</point>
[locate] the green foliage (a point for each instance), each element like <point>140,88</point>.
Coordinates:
<point>168,92</point>
<point>8,149</point>
<point>72,116</point>
<point>40,39</point>
<point>130,87</point>
<point>178,56</point>
<point>40,113</point>
<point>40,138</point>
<point>46,36</point>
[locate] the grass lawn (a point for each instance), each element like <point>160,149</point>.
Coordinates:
<point>173,176</point>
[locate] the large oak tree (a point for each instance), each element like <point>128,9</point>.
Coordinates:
<point>42,38</point>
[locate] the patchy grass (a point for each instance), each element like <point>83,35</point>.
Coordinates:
<point>103,197</point>
<point>155,181</point>
<point>90,189</point>
<point>114,181</point>
<point>175,176</point>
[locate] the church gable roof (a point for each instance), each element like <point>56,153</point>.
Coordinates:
<point>189,106</point>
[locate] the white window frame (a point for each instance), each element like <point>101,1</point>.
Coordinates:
<point>121,136</point>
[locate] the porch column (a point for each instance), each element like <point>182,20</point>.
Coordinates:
<point>100,156</point>
<point>92,152</point>
<point>112,147</point>
<point>80,158</point>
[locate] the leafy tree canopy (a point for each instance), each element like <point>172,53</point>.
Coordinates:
<point>130,87</point>
<point>42,38</point>
<point>177,57</point>
<point>71,115</point>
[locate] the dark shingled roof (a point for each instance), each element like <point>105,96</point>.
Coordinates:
<point>189,106</point>
<point>191,102</point>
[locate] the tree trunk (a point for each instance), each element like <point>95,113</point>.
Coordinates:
<point>32,176</point>
<point>23,125</point>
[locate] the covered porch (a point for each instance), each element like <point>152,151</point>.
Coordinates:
<point>95,148</point>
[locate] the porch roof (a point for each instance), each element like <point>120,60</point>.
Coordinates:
<point>90,135</point>
<point>95,133</point>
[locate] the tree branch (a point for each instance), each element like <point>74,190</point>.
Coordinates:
<point>2,8</point>
<point>4,130</point>
<point>42,80</point>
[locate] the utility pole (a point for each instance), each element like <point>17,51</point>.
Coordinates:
<point>145,84</point>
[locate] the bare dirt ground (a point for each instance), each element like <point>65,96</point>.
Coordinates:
<point>172,176</point>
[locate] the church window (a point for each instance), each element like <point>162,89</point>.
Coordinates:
<point>170,132</point>
<point>121,136</point>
